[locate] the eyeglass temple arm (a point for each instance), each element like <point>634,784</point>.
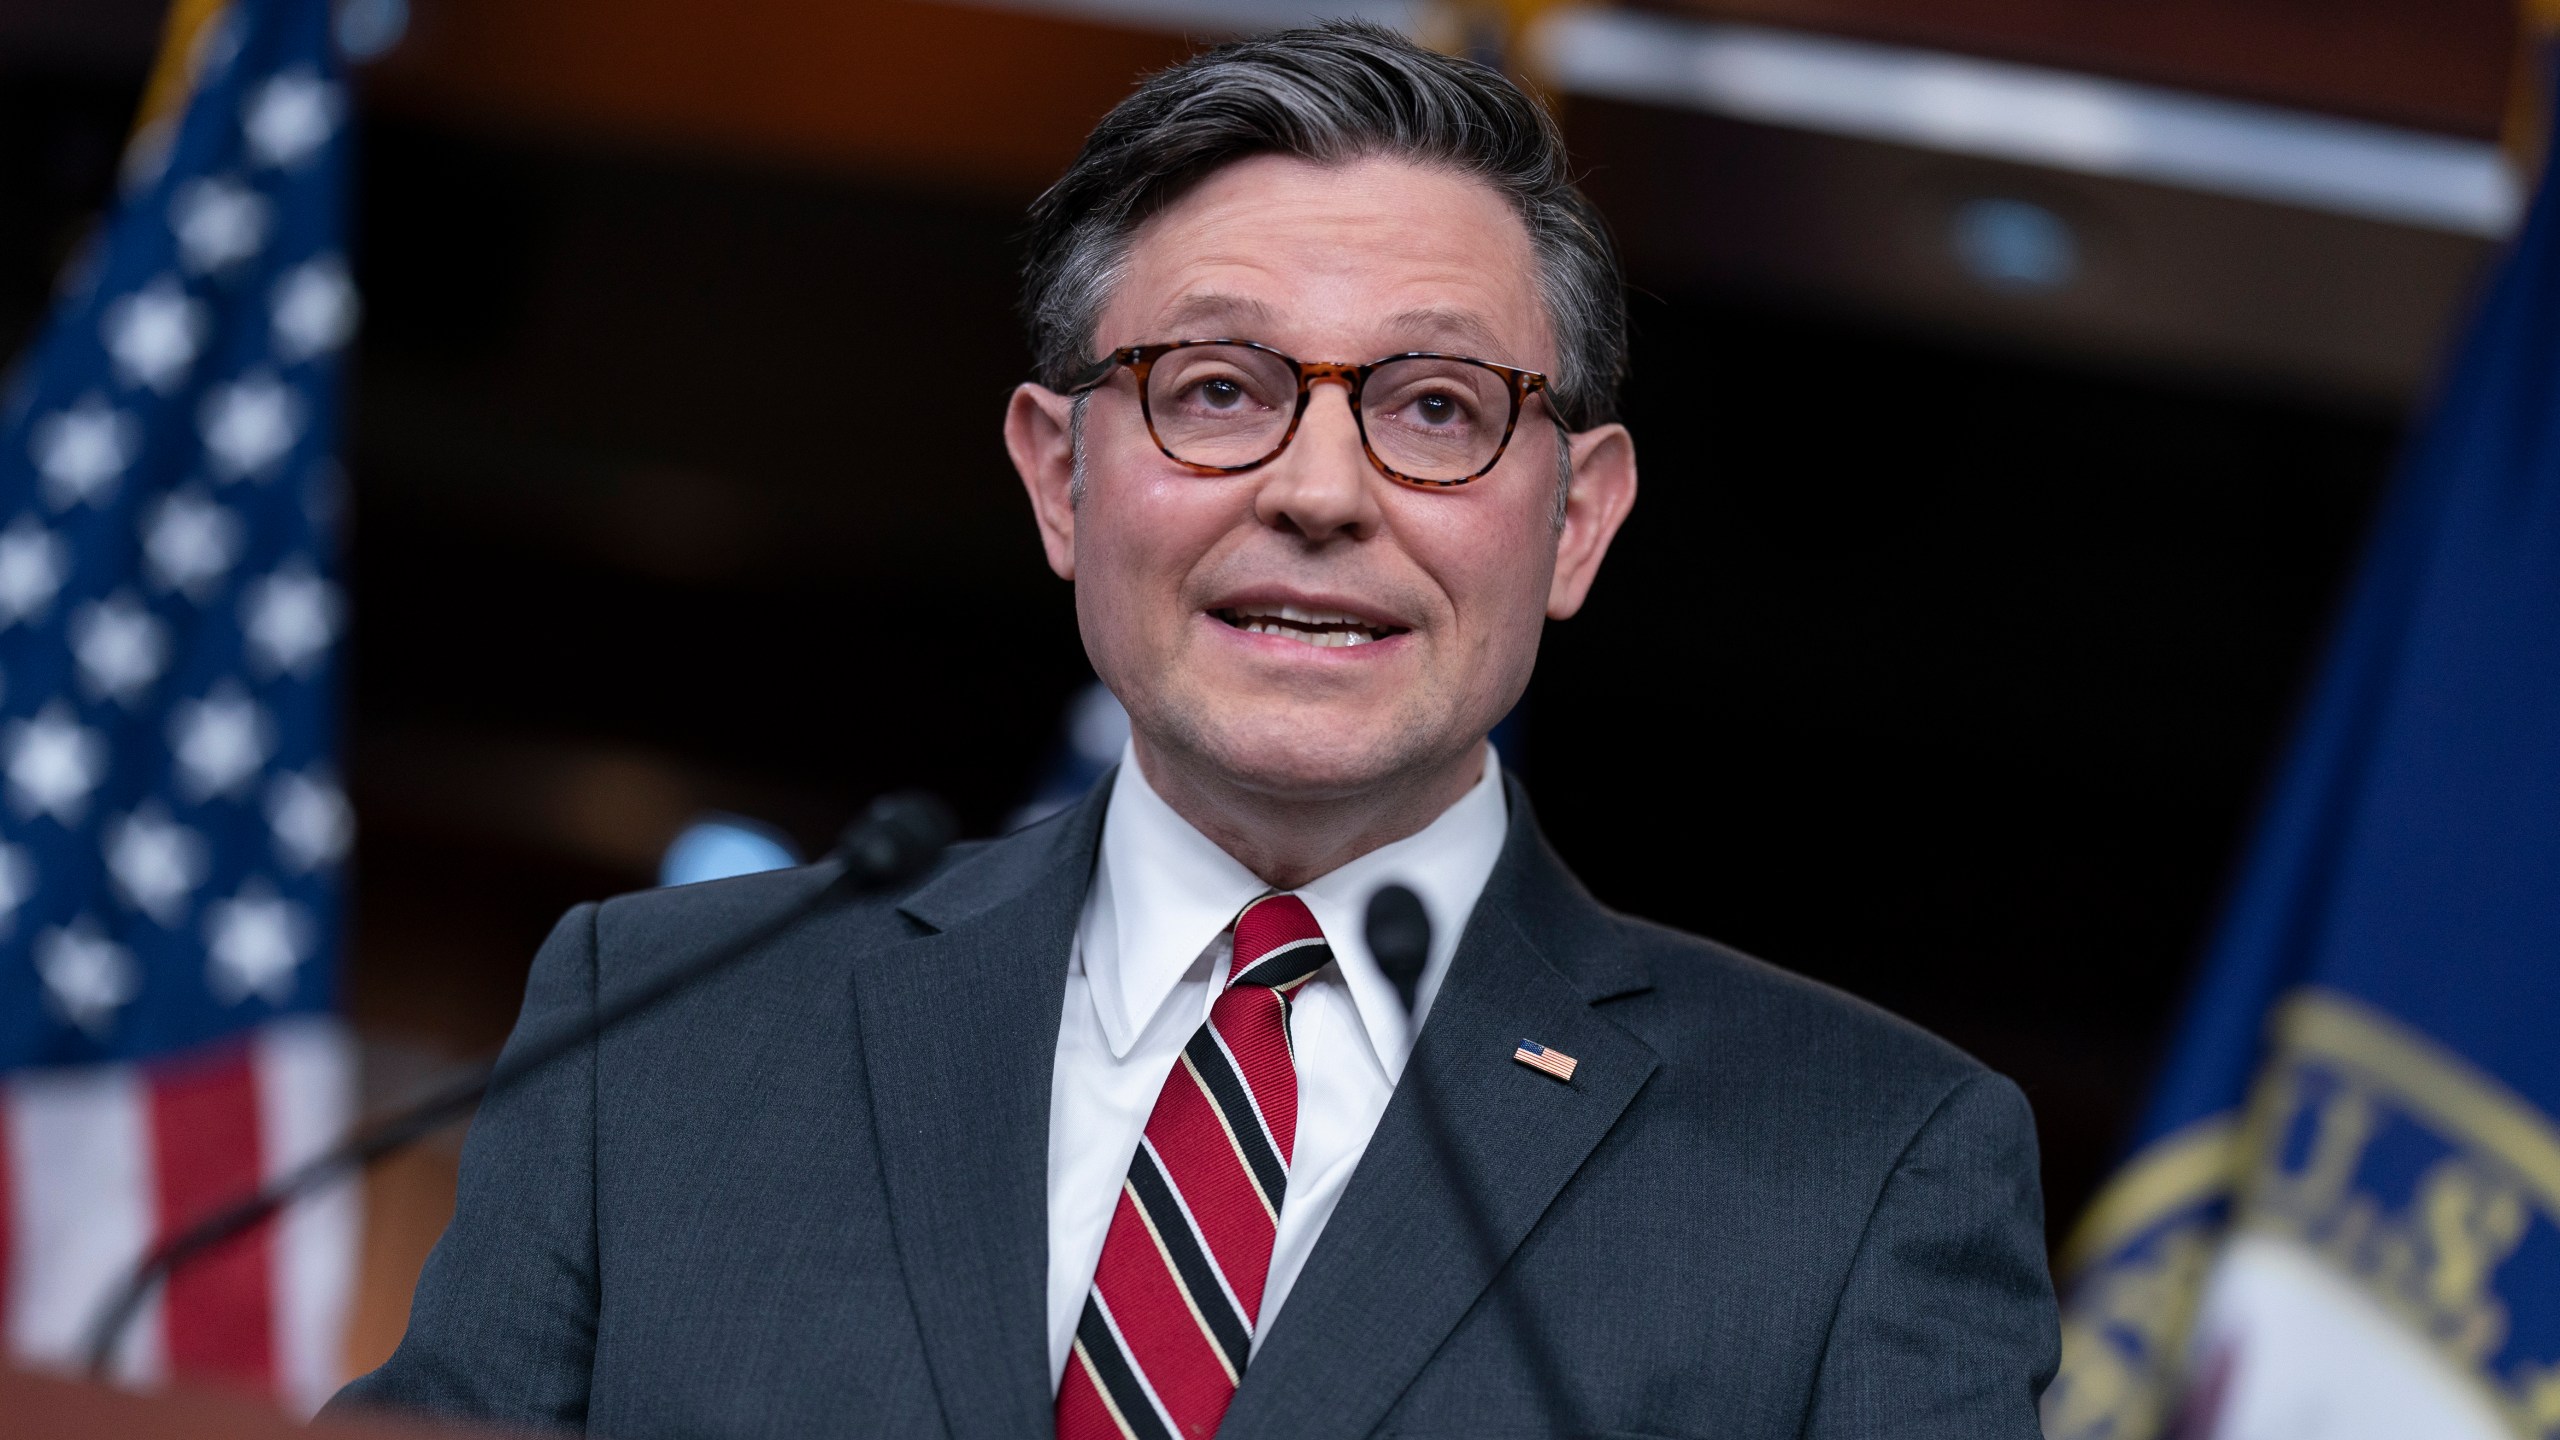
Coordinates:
<point>1094,374</point>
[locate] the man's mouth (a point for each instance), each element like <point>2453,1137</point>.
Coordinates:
<point>1322,628</point>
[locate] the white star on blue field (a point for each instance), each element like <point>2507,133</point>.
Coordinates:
<point>171,619</point>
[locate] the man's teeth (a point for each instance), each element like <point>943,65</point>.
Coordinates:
<point>1320,638</point>
<point>1321,628</point>
<point>1318,617</point>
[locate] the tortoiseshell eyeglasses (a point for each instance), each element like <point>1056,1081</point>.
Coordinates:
<point>1224,406</point>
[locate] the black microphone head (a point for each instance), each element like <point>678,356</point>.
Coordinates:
<point>1399,933</point>
<point>899,837</point>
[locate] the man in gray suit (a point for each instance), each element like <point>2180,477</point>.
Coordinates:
<point>1114,1127</point>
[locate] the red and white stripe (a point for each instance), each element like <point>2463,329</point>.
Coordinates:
<point>1168,1326</point>
<point>100,1162</point>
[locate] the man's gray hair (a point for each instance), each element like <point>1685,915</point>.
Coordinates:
<point>1332,93</point>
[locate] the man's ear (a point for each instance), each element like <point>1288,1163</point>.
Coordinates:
<point>1039,433</point>
<point>1604,489</point>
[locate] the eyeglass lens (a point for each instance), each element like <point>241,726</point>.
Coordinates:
<point>1226,405</point>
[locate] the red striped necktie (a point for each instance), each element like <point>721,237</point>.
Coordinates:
<point>1169,1322</point>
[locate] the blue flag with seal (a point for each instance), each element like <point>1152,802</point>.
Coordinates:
<point>171,822</point>
<point>2342,1217</point>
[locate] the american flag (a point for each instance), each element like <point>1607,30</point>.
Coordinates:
<point>1545,1061</point>
<point>171,828</point>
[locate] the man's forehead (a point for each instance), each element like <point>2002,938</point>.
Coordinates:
<point>1220,314</point>
<point>1380,251</point>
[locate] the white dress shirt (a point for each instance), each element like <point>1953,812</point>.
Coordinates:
<point>1150,957</point>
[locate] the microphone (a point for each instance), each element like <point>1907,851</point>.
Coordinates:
<point>899,837</point>
<point>1399,933</point>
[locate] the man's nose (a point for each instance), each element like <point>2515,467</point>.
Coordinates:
<point>1321,486</point>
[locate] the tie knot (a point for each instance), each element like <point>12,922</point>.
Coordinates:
<point>1278,943</point>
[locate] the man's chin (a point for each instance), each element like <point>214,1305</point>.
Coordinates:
<point>1313,757</point>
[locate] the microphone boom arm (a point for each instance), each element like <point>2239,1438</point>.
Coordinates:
<point>898,837</point>
<point>1398,930</point>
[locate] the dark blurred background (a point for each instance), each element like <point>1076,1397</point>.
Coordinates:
<point>1993,508</point>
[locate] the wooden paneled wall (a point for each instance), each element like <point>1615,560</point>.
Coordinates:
<point>977,98</point>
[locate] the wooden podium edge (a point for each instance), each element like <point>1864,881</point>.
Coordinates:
<point>47,1407</point>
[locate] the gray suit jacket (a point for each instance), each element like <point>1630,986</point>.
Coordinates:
<point>808,1197</point>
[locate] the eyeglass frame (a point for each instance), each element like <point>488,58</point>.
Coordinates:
<point>1139,359</point>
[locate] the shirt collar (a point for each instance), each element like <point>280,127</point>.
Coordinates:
<point>1163,892</point>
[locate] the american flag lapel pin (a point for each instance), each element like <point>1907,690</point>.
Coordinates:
<point>1545,1061</point>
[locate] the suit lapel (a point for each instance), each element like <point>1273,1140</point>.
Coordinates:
<point>959,1034</point>
<point>1469,1154</point>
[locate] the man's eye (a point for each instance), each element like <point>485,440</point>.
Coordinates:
<point>1435,410</point>
<point>1220,394</point>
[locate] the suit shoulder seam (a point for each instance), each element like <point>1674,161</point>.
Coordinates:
<point>595,1155</point>
<point>1866,1227</point>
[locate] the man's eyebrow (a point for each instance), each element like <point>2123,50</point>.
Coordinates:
<point>1437,326</point>
<point>1231,311</point>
